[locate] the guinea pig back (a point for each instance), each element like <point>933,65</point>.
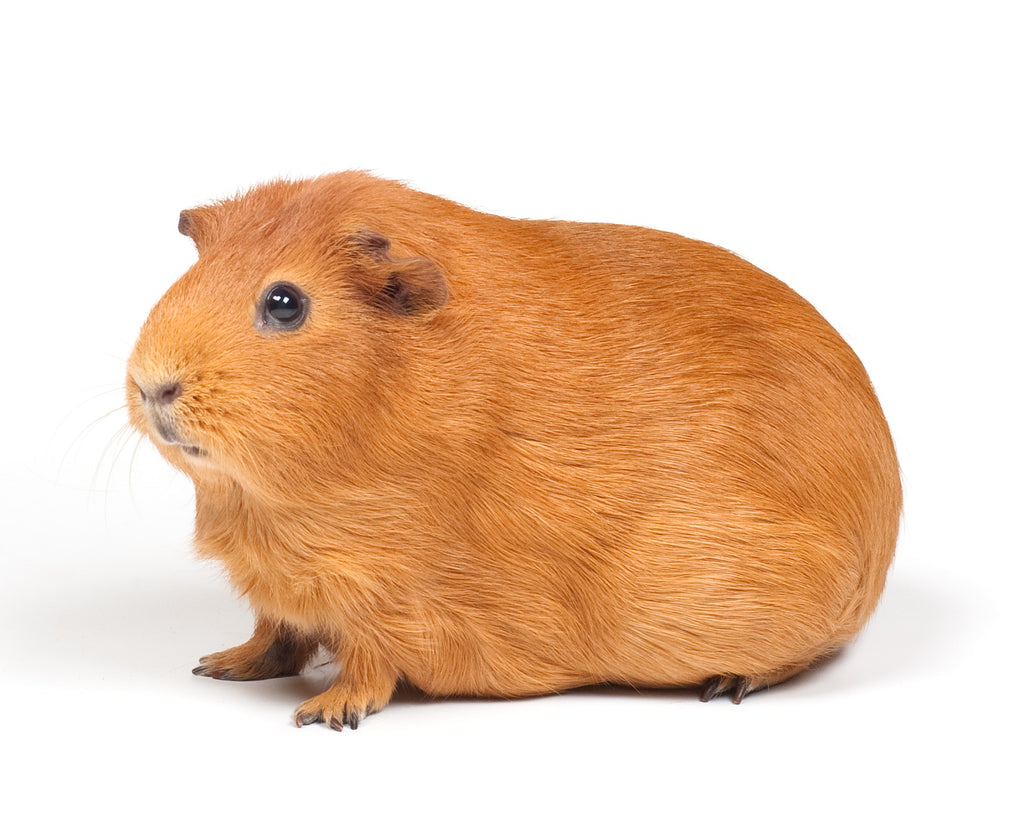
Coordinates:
<point>509,457</point>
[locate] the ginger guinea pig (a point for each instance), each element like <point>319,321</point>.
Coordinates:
<point>501,457</point>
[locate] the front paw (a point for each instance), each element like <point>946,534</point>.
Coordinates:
<point>343,705</point>
<point>235,664</point>
<point>271,652</point>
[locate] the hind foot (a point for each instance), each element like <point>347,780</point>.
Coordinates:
<point>739,686</point>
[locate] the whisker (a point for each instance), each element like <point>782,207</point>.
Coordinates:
<point>84,432</point>
<point>131,468</point>
<point>112,450</point>
<point>123,438</point>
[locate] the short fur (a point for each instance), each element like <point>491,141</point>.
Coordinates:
<point>509,457</point>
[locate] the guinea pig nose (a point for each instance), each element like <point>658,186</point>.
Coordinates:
<point>169,392</point>
<point>163,393</point>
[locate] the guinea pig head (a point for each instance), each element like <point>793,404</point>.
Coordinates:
<point>270,361</point>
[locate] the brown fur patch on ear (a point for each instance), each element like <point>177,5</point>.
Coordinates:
<point>409,286</point>
<point>365,242</point>
<point>414,287</point>
<point>185,223</point>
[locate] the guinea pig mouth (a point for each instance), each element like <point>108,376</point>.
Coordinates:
<point>189,449</point>
<point>169,435</point>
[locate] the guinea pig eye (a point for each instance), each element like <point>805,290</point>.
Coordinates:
<point>284,307</point>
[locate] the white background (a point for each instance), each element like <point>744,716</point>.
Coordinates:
<point>868,154</point>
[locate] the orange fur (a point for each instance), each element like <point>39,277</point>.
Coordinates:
<point>509,457</point>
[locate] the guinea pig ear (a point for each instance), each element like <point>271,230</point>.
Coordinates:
<point>406,286</point>
<point>196,224</point>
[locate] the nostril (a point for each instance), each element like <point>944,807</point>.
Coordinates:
<point>164,393</point>
<point>169,392</point>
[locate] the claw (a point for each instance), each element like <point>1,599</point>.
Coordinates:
<point>714,687</point>
<point>740,686</point>
<point>303,718</point>
<point>743,686</point>
<point>207,670</point>
<point>348,718</point>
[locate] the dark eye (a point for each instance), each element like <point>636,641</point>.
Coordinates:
<point>284,307</point>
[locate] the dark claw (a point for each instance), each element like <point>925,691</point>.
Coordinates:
<point>309,718</point>
<point>209,672</point>
<point>338,723</point>
<point>740,686</point>
<point>714,687</point>
<point>349,719</point>
<point>741,689</point>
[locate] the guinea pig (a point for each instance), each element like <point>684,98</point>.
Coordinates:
<point>495,457</point>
